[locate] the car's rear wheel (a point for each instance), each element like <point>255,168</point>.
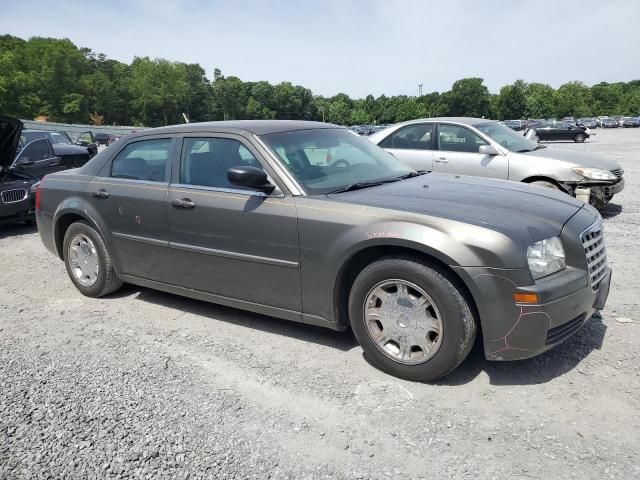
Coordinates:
<point>88,261</point>
<point>411,319</point>
<point>580,138</point>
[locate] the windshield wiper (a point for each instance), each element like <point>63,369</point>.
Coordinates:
<point>538,147</point>
<point>417,173</point>
<point>360,185</point>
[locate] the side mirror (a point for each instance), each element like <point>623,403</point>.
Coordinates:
<point>488,150</point>
<point>250,177</point>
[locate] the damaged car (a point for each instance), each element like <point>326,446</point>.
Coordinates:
<point>307,222</point>
<point>72,154</point>
<point>20,173</point>
<point>486,148</point>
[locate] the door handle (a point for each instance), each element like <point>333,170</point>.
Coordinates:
<point>102,193</point>
<point>442,160</point>
<point>186,203</point>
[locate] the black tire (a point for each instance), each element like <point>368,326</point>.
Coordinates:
<point>458,322</point>
<point>107,281</point>
<point>580,138</point>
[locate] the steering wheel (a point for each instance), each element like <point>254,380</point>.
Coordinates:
<point>340,161</point>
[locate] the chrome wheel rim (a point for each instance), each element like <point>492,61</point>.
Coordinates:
<point>83,260</point>
<point>403,321</point>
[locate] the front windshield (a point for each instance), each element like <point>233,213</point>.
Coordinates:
<point>325,160</point>
<point>506,137</point>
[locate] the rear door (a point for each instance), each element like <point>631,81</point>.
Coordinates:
<point>459,153</point>
<point>130,196</point>
<point>37,158</point>
<point>413,145</point>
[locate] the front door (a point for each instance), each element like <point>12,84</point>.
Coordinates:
<point>37,159</point>
<point>459,153</point>
<point>130,195</point>
<point>228,241</point>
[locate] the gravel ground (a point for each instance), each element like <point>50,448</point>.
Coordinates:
<point>144,384</point>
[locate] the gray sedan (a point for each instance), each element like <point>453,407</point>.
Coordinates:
<point>486,148</point>
<point>308,222</point>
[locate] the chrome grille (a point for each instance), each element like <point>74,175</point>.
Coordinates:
<point>595,251</point>
<point>617,172</point>
<point>13,196</point>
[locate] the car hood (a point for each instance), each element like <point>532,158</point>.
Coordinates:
<point>66,149</point>
<point>10,129</point>
<point>580,159</point>
<point>525,213</point>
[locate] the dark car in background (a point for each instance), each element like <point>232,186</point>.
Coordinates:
<point>72,154</point>
<point>609,123</point>
<point>516,125</point>
<point>19,172</point>
<point>631,122</point>
<point>587,122</point>
<point>561,130</point>
<point>104,138</point>
<point>307,222</point>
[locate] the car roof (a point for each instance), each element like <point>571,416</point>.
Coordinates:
<point>257,127</point>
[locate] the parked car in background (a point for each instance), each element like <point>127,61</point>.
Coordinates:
<point>621,121</point>
<point>609,123</point>
<point>587,122</point>
<point>631,122</point>
<point>104,138</point>
<point>19,172</point>
<point>516,125</point>
<point>72,154</point>
<point>486,148</point>
<point>349,236</point>
<point>554,131</point>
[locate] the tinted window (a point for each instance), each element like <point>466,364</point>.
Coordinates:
<point>411,137</point>
<point>454,138</point>
<point>145,160</point>
<point>206,161</point>
<point>35,151</point>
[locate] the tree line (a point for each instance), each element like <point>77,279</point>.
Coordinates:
<point>55,79</point>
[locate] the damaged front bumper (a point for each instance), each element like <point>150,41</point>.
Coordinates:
<point>566,300</point>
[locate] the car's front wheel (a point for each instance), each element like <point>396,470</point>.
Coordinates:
<point>88,261</point>
<point>411,318</point>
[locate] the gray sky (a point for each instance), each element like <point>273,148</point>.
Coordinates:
<point>356,47</point>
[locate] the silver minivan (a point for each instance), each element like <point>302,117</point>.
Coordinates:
<point>487,148</point>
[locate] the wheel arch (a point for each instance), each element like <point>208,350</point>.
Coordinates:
<point>545,178</point>
<point>62,223</point>
<point>353,265</point>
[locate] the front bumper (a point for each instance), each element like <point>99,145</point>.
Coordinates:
<point>513,331</point>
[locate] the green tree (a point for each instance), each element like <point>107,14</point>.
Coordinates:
<point>512,101</point>
<point>541,101</point>
<point>468,97</point>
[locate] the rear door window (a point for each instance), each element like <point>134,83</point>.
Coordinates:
<point>143,160</point>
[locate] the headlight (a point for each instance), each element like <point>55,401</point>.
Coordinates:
<point>594,173</point>
<point>546,257</point>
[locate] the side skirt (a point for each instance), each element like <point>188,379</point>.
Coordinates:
<point>234,303</point>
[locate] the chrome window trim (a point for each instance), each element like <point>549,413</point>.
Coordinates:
<point>248,193</point>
